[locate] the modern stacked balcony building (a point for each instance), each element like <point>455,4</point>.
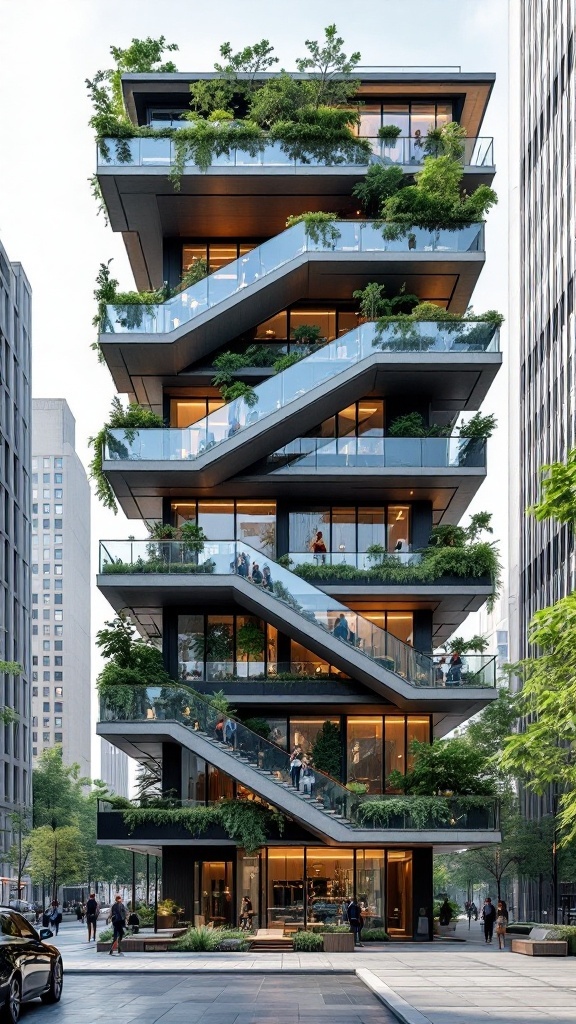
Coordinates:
<point>309,451</point>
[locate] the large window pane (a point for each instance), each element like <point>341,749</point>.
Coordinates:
<point>220,785</point>
<point>190,647</point>
<point>256,524</point>
<point>370,119</point>
<point>399,533</point>
<point>347,421</point>
<point>371,417</point>
<point>325,319</point>
<point>285,889</point>
<point>370,886</point>
<point>370,528</point>
<point>303,527</point>
<point>398,115</point>
<point>401,624</point>
<point>343,530</point>
<point>250,645</point>
<point>274,329</point>
<point>329,884</point>
<point>364,751</point>
<point>394,747</point>
<point>417,728</point>
<point>422,118</point>
<point>219,647</point>
<point>303,732</point>
<point>249,886</point>
<point>305,663</point>
<point>191,254</point>
<point>217,519</point>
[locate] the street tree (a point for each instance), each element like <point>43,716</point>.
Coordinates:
<point>57,856</point>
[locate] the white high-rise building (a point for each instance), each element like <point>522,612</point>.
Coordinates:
<point>61,687</point>
<point>15,357</point>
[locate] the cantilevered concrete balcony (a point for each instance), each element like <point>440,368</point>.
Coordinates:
<point>334,814</point>
<point>444,471</point>
<point>456,363</point>
<point>161,341</point>
<point>157,577</point>
<point>251,193</point>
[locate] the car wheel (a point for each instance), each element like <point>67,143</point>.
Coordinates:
<point>11,1009</point>
<point>55,987</point>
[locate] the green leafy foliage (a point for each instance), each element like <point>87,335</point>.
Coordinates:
<point>330,68</point>
<point>375,935</point>
<point>412,424</point>
<point>558,487</point>
<point>327,750</point>
<point>319,227</point>
<point>307,942</point>
<point>250,640</point>
<point>132,662</point>
<point>379,184</point>
<point>202,939</point>
<point>435,201</point>
<point>134,418</point>
<point>247,822</point>
<point>373,303</point>
<point>453,765</point>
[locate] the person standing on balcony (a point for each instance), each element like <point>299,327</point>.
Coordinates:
<point>318,548</point>
<point>454,676</point>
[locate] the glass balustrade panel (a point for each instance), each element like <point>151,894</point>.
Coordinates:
<point>350,236</point>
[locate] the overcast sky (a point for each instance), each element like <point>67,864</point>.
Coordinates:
<point>48,218</point>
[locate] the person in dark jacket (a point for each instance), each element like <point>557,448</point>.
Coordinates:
<point>356,921</point>
<point>488,917</point>
<point>118,921</point>
<point>92,910</point>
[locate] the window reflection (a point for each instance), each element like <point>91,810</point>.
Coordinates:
<point>329,884</point>
<point>285,895</point>
<point>364,751</point>
<point>304,731</point>
<point>370,875</point>
<point>399,531</point>
<point>394,747</point>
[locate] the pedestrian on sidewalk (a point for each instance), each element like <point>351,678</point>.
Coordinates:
<point>488,917</point>
<point>92,911</point>
<point>501,923</point>
<point>55,915</point>
<point>355,920</point>
<point>118,920</point>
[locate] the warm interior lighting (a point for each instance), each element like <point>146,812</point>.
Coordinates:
<point>400,516</point>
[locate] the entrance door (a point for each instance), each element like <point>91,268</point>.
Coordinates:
<point>399,894</point>
<point>217,897</point>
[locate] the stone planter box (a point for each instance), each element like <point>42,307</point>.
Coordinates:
<point>339,942</point>
<point>444,929</point>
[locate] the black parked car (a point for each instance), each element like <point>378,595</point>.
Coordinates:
<point>29,967</point>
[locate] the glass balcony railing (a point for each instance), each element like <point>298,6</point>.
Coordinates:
<point>348,629</point>
<point>406,152</point>
<point>278,392</point>
<point>378,453</point>
<point>266,259</point>
<point>199,717</point>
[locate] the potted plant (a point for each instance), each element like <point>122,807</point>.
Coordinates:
<point>168,913</point>
<point>338,940</point>
<point>307,334</point>
<point>388,134</point>
<point>250,642</point>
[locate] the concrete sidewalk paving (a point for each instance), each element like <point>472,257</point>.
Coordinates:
<point>445,983</point>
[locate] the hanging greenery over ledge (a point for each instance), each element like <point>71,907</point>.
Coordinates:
<point>312,119</point>
<point>132,419</point>
<point>247,822</point>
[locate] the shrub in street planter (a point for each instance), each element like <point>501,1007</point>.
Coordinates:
<point>308,942</point>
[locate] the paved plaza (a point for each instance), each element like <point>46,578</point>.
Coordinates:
<point>445,983</point>
<point>213,999</point>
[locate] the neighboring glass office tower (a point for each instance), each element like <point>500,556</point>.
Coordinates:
<point>15,358</point>
<point>60,587</point>
<point>542,336</point>
<point>543,367</point>
<point>296,491</point>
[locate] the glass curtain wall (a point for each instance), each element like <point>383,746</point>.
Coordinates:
<point>348,532</point>
<point>309,887</point>
<point>222,646</point>
<point>251,521</point>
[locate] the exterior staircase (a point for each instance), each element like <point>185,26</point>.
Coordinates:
<point>271,940</point>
